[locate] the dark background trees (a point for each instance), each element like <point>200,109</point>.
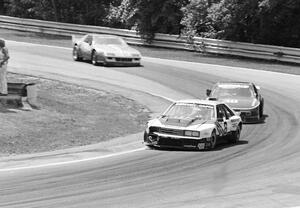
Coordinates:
<point>275,22</point>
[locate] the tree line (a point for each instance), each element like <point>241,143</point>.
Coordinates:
<point>274,22</point>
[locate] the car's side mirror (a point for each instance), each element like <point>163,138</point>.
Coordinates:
<point>258,87</point>
<point>208,92</point>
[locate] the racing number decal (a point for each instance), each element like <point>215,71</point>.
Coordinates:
<point>222,131</point>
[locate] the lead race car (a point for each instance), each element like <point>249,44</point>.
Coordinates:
<point>196,124</point>
<point>105,49</point>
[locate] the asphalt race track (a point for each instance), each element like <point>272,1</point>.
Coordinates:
<point>263,170</point>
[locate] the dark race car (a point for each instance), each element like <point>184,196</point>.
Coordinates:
<point>242,97</point>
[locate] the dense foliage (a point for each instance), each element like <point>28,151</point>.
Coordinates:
<point>158,16</point>
<point>274,22</point>
<point>257,21</point>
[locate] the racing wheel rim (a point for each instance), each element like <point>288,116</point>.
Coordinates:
<point>94,61</point>
<point>75,54</point>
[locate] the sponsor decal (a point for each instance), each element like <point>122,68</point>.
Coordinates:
<point>231,101</point>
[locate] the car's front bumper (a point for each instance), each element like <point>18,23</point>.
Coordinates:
<point>248,115</point>
<point>170,141</point>
<point>121,61</point>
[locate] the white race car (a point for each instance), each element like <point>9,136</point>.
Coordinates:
<point>195,124</point>
<point>105,49</point>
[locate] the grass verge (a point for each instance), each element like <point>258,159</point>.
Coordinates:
<point>69,116</point>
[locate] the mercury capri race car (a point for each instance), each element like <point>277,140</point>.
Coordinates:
<point>196,124</point>
<point>242,97</point>
<point>105,49</point>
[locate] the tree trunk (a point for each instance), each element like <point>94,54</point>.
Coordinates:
<point>55,10</point>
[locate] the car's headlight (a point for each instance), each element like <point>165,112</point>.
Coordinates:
<point>136,55</point>
<point>254,103</point>
<point>192,133</point>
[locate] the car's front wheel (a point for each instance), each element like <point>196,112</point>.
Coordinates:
<point>213,140</point>
<point>261,110</point>
<point>76,56</point>
<point>94,58</point>
<point>235,135</point>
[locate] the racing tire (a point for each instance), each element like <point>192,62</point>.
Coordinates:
<point>75,53</point>
<point>235,135</point>
<point>261,111</point>
<point>94,59</point>
<point>213,140</point>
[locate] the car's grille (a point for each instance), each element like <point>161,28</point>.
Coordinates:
<point>172,131</point>
<point>170,142</point>
<point>124,59</point>
<point>177,142</point>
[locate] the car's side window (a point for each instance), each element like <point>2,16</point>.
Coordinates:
<point>220,112</point>
<point>228,112</point>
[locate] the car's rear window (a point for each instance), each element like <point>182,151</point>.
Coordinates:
<point>109,41</point>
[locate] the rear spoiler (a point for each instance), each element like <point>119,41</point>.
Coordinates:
<point>212,98</point>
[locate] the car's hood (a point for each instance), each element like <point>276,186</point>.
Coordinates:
<point>180,123</point>
<point>240,102</point>
<point>120,51</point>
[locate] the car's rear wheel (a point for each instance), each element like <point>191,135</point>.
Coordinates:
<point>235,135</point>
<point>94,58</point>
<point>76,56</point>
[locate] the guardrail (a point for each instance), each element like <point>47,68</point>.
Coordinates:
<point>206,45</point>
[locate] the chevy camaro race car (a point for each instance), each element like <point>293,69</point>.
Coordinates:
<point>195,124</point>
<point>242,97</point>
<point>105,49</point>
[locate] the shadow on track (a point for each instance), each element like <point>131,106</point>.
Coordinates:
<point>222,144</point>
<point>261,121</point>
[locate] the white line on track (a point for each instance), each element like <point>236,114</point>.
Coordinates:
<point>36,44</point>
<point>71,162</point>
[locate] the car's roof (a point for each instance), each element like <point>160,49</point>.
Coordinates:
<point>234,82</point>
<point>199,101</point>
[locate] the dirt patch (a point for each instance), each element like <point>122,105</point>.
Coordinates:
<point>69,116</point>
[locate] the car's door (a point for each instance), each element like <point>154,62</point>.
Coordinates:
<point>223,120</point>
<point>86,47</point>
<point>233,120</point>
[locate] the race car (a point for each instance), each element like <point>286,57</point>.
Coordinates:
<point>193,124</point>
<point>105,49</point>
<point>242,97</point>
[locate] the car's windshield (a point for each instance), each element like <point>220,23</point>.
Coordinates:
<point>225,90</point>
<point>109,41</point>
<point>190,111</point>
